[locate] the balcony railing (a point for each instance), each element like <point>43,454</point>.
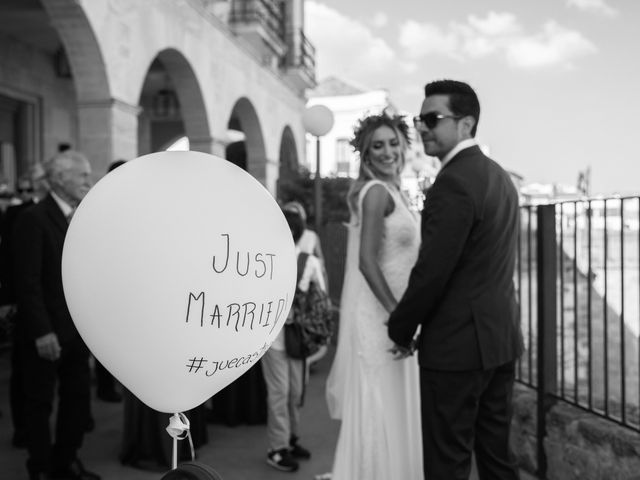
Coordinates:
<point>267,13</point>
<point>301,55</point>
<point>578,280</point>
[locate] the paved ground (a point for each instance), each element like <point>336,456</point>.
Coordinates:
<point>237,453</point>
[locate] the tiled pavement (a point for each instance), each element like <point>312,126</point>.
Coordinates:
<point>237,453</point>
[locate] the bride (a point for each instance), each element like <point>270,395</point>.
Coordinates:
<point>374,393</point>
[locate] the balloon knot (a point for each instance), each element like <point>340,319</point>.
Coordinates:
<point>178,426</point>
<point>178,429</point>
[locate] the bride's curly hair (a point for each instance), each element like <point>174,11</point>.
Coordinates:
<point>365,127</point>
<point>361,141</point>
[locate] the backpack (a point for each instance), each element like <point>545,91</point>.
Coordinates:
<point>313,320</point>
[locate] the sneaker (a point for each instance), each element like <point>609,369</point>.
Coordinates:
<point>282,460</point>
<point>298,451</point>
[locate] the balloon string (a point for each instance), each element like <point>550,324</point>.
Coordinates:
<point>178,429</point>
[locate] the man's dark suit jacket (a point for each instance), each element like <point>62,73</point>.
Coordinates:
<point>461,289</point>
<point>7,294</point>
<point>38,239</point>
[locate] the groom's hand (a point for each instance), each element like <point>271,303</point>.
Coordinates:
<point>400,353</point>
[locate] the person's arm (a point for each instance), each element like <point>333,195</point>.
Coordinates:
<point>317,248</point>
<point>312,273</point>
<point>317,275</point>
<point>28,244</point>
<point>375,207</point>
<point>317,251</point>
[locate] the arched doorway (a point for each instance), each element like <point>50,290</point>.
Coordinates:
<point>288,158</point>
<point>236,149</point>
<point>248,153</point>
<point>52,65</point>
<point>170,89</point>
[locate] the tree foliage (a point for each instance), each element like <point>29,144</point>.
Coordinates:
<point>300,187</point>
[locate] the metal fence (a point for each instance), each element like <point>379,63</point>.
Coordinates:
<point>577,278</point>
<point>301,53</point>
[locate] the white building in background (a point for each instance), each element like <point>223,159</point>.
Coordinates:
<point>349,103</point>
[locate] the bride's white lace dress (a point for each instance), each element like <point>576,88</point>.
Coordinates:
<point>377,397</point>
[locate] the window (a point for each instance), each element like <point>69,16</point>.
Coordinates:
<point>18,139</point>
<point>343,157</point>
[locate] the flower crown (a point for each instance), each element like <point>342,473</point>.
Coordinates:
<point>372,122</point>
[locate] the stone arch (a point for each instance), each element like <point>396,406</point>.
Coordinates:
<point>245,118</point>
<point>99,115</point>
<point>81,48</point>
<point>288,151</point>
<point>172,74</point>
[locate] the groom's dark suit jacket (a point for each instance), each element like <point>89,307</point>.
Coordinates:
<point>461,289</point>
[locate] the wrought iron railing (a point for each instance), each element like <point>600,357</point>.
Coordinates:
<point>301,54</point>
<point>268,13</point>
<point>577,278</point>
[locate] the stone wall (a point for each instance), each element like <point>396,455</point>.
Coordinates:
<point>28,75</point>
<point>579,445</point>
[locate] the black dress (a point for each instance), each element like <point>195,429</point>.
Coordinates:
<point>242,402</point>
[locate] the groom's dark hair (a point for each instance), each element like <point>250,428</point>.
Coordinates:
<point>463,100</point>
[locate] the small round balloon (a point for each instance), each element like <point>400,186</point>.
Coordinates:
<point>179,271</point>
<point>318,120</point>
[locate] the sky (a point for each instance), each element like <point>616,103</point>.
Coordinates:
<point>558,80</point>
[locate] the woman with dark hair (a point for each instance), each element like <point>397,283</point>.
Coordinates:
<point>375,394</point>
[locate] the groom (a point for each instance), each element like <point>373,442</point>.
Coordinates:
<point>461,294</point>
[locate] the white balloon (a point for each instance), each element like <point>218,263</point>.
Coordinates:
<point>317,120</point>
<point>179,271</point>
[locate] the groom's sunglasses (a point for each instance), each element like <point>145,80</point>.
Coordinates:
<point>431,119</point>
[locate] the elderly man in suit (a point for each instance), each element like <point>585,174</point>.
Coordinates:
<point>32,188</point>
<point>52,350</point>
<point>461,294</point>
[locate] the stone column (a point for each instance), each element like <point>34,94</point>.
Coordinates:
<point>294,22</point>
<point>272,172</point>
<point>265,170</point>
<point>108,131</point>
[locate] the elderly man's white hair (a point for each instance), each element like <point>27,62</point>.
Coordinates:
<point>61,161</point>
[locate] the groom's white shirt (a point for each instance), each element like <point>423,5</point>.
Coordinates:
<point>469,142</point>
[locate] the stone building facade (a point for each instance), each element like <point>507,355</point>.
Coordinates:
<point>121,78</point>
